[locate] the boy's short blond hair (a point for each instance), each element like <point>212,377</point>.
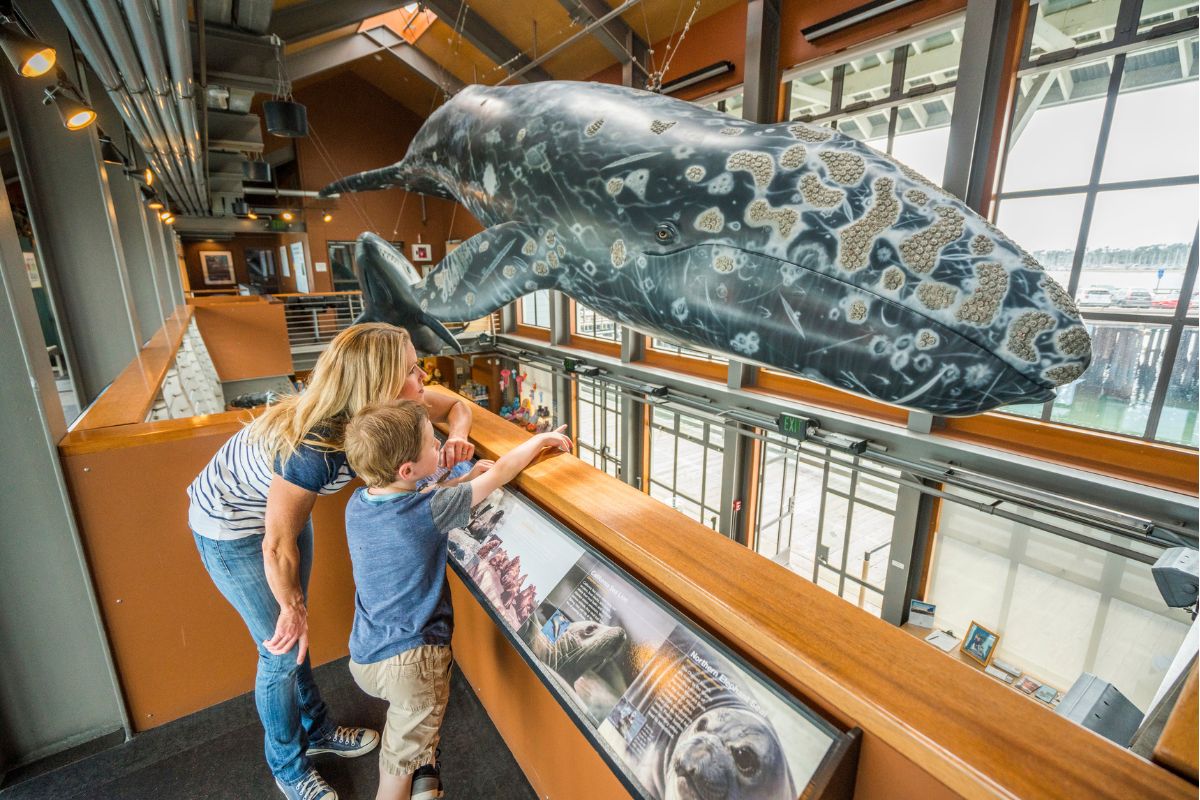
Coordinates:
<point>382,437</point>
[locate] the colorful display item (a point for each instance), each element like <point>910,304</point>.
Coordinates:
<point>786,245</point>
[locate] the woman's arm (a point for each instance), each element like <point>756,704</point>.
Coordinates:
<point>288,509</point>
<point>457,413</point>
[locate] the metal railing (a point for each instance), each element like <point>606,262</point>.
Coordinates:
<point>314,319</point>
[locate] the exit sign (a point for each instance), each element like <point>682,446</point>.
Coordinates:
<point>791,425</point>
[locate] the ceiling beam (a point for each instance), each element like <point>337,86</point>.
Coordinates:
<point>613,34</point>
<point>329,55</point>
<point>314,17</point>
<point>476,30</point>
<point>413,58</point>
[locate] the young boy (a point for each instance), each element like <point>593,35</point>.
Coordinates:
<point>397,535</point>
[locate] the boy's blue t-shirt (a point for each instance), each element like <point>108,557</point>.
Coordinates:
<point>397,548</point>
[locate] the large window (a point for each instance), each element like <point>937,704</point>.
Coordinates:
<point>1099,184</point>
<point>897,97</point>
<point>535,309</point>
<point>595,326</point>
<point>824,519</point>
<point>598,425</point>
<point>685,463</point>
<point>1061,607</point>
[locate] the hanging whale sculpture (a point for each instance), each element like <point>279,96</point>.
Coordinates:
<point>785,245</point>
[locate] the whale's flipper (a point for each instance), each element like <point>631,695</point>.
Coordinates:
<point>390,286</point>
<point>493,268</point>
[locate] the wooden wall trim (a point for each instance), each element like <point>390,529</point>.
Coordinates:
<point>973,735</point>
<point>130,396</point>
<point>1150,463</point>
<point>81,442</point>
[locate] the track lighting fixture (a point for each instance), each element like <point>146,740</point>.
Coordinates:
<point>150,198</point>
<point>170,220</point>
<point>109,153</point>
<point>30,58</point>
<point>328,217</point>
<point>164,215</point>
<point>251,215</point>
<point>287,216</point>
<point>76,114</point>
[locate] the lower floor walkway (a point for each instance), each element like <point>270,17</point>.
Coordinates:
<point>217,754</point>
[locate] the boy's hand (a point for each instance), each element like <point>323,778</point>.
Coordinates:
<point>555,440</point>
<point>481,466</point>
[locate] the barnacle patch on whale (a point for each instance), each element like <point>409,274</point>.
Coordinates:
<point>892,279</point>
<point>1058,296</point>
<point>1024,330</point>
<point>1074,341</point>
<point>818,194</point>
<point>981,245</point>
<point>1063,374</point>
<point>793,157</point>
<point>760,214</point>
<point>592,129</point>
<point>991,284</point>
<point>916,196</point>
<point>710,220</point>
<point>926,339</point>
<point>856,238</point>
<point>809,133</point>
<point>694,173</point>
<point>614,186</point>
<point>530,247</point>
<point>857,311</point>
<point>843,166</point>
<point>936,296</point>
<point>920,250</point>
<point>759,165</point>
<point>658,126</point>
<point>618,253</point>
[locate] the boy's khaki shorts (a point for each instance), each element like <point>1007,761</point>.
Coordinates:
<point>416,684</point>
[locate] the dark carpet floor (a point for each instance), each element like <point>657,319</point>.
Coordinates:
<point>216,754</point>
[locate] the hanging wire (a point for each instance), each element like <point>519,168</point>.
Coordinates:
<point>654,81</point>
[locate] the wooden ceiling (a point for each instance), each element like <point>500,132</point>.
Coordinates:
<point>532,26</point>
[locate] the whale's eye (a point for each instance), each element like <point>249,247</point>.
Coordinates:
<point>665,233</point>
<point>745,759</point>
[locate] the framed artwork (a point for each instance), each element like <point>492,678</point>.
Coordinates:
<point>217,266</point>
<point>422,252</point>
<point>1027,685</point>
<point>980,643</point>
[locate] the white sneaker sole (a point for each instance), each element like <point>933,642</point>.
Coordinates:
<point>329,796</point>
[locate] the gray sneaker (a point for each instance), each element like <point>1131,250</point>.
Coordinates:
<point>426,783</point>
<point>311,787</point>
<point>345,742</point>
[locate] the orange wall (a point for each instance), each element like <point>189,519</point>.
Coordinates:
<point>359,127</point>
<point>722,37</point>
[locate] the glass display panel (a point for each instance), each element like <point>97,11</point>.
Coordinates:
<point>1137,249</point>
<point>645,686</point>
<point>1177,422</point>
<point>1116,392</point>
<point>1156,117</point>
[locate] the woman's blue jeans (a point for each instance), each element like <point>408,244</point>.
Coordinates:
<point>289,703</point>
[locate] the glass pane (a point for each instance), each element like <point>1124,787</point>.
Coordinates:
<point>595,326</point>
<point>1116,391</point>
<point>733,105</point>
<point>868,79</point>
<point>1155,119</point>
<point>933,60</point>
<point>1053,141</point>
<point>923,136</point>
<point>1137,248</point>
<point>811,94</point>
<point>1178,421</point>
<point>535,309</point>
<point>870,127</point>
<point>1047,227</point>
<point>1157,13</point>
<point>674,348</point>
<point>1063,24</point>
<point>598,426</point>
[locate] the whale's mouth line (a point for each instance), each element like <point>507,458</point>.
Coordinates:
<point>890,302</point>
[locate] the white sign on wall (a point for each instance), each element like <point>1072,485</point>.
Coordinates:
<point>300,266</point>
<point>283,261</point>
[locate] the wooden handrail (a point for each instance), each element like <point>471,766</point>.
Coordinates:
<point>314,294</point>
<point>129,398</point>
<point>970,733</point>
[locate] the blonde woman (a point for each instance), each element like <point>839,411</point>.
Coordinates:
<point>250,516</point>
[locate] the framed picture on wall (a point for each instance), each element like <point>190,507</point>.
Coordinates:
<point>217,266</point>
<point>422,252</point>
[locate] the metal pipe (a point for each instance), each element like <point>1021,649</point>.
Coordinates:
<point>178,46</point>
<point>96,52</point>
<point>289,193</point>
<point>616,12</point>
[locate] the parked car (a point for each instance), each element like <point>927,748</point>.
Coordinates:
<point>1095,297</point>
<point>1165,299</point>
<point>1135,298</point>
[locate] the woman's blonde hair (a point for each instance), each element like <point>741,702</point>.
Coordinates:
<point>364,364</point>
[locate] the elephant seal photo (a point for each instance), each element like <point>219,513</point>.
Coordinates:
<point>727,753</point>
